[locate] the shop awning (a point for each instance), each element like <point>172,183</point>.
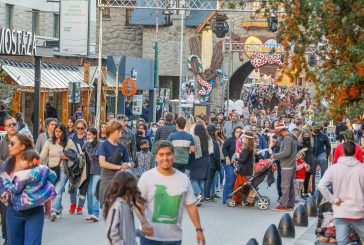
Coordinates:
<point>53,76</point>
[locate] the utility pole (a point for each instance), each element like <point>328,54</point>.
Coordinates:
<point>181,63</point>
<point>156,81</point>
<point>99,79</point>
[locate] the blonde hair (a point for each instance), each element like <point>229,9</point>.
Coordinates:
<point>190,121</point>
<point>113,126</point>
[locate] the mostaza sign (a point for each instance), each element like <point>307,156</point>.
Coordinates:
<point>14,42</point>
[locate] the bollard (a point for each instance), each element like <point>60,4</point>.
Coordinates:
<point>300,217</point>
<point>271,236</point>
<point>318,197</point>
<point>286,227</point>
<point>311,207</point>
<point>252,241</point>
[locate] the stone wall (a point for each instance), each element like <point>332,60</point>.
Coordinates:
<point>169,47</point>
<point>118,36</point>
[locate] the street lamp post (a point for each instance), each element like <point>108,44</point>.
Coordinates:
<point>181,63</point>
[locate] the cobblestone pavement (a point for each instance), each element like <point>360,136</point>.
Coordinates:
<point>223,225</point>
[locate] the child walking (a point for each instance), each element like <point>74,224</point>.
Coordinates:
<point>144,159</point>
<point>33,185</point>
<point>301,168</point>
<point>122,198</point>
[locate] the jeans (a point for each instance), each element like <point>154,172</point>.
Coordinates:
<point>198,186</point>
<point>322,161</point>
<point>343,229</point>
<point>60,187</point>
<point>146,241</point>
<point>25,227</point>
<point>73,199</point>
<point>92,203</point>
<point>229,182</point>
<point>3,220</point>
<point>211,184</point>
<point>221,174</point>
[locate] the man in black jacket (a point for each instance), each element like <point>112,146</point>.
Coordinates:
<point>322,148</point>
<point>164,131</point>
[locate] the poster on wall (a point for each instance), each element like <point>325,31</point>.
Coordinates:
<point>74,27</point>
<point>137,104</point>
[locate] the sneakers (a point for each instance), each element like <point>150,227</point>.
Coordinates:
<point>88,217</point>
<point>198,200</point>
<point>282,208</point>
<point>79,210</point>
<point>72,208</point>
<point>94,218</point>
<point>54,216</point>
<point>216,196</point>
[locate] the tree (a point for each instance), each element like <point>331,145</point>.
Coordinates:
<point>7,91</point>
<point>326,38</point>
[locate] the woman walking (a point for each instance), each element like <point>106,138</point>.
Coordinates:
<point>93,174</point>
<point>200,161</point>
<point>142,135</point>
<point>23,227</point>
<point>79,139</point>
<point>113,157</point>
<point>228,150</point>
<point>53,150</point>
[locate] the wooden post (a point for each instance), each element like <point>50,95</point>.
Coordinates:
<point>16,102</point>
<point>41,111</point>
<point>64,107</point>
<point>85,103</point>
<point>103,94</point>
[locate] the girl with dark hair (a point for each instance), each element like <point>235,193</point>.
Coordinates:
<point>93,174</point>
<point>79,139</point>
<point>123,196</point>
<point>228,150</point>
<point>200,161</point>
<point>142,135</point>
<point>53,150</point>
<point>23,227</point>
<point>71,125</point>
<point>102,135</point>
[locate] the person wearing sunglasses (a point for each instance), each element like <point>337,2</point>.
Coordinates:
<point>11,129</point>
<point>79,139</point>
<point>23,227</point>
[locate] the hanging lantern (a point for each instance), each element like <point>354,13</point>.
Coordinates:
<point>220,26</point>
<point>167,18</point>
<point>312,60</point>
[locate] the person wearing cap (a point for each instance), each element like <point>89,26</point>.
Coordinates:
<point>231,125</point>
<point>287,157</point>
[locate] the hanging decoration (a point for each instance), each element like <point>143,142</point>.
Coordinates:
<point>128,87</point>
<point>259,59</point>
<point>206,85</point>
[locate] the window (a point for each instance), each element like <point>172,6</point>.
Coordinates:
<point>9,16</point>
<point>35,21</point>
<point>106,13</point>
<point>128,14</point>
<point>56,25</point>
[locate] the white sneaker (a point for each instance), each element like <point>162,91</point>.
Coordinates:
<point>198,200</point>
<point>54,216</point>
<point>88,217</point>
<point>94,218</point>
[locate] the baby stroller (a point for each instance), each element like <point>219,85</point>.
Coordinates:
<point>262,169</point>
<point>326,231</point>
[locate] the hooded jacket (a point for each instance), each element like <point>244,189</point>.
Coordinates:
<point>30,188</point>
<point>288,152</point>
<point>347,180</point>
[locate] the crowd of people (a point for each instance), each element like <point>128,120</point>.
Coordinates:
<point>159,169</point>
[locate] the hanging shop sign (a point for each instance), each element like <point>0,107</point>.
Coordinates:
<point>14,42</point>
<point>137,105</point>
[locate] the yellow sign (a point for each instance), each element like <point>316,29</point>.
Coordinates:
<point>252,44</point>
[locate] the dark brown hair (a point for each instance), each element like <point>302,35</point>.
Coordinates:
<point>163,143</point>
<point>24,140</point>
<point>181,122</point>
<point>123,184</point>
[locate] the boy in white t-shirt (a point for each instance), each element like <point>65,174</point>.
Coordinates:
<point>167,192</point>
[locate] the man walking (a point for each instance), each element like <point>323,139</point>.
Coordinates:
<point>347,181</point>
<point>127,136</point>
<point>322,148</point>
<point>11,130</point>
<point>164,131</point>
<point>183,144</point>
<point>231,125</point>
<point>166,193</point>
<point>287,158</point>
